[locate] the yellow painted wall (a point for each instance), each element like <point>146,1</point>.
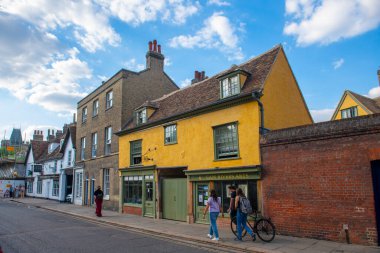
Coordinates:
<point>283,103</point>
<point>348,102</point>
<point>195,147</point>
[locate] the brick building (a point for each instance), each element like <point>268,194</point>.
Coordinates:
<point>319,181</point>
<point>105,111</point>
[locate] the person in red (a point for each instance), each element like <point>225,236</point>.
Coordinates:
<point>98,194</point>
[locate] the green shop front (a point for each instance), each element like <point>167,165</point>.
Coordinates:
<point>203,181</point>
<point>158,192</point>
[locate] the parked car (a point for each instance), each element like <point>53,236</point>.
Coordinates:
<point>69,197</point>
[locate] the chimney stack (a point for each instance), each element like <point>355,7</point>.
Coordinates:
<point>154,57</point>
<point>198,76</point>
<point>38,135</point>
<point>74,117</point>
<point>378,75</point>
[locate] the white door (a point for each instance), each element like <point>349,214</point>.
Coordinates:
<point>78,188</point>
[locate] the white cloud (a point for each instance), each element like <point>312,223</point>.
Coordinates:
<point>217,32</point>
<point>322,115</point>
<point>218,3</point>
<point>185,83</point>
<point>167,62</point>
<point>338,63</point>
<point>90,26</point>
<point>328,21</point>
<point>133,65</point>
<point>39,73</point>
<point>374,92</point>
<point>136,12</point>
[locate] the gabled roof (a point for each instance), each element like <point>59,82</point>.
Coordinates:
<point>207,92</point>
<point>39,149</point>
<point>54,155</point>
<point>370,105</point>
<point>69,133</point>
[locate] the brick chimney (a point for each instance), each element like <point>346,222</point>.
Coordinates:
<point>38,135</point>
<point>51,135</point>
<point>154,57</point>
<point>198,76</point>
<point>58,134</point>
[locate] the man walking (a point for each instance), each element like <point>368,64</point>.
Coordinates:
<point>232,209</point>
<point>98,194</point>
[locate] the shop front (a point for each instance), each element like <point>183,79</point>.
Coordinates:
<point>203,181</point>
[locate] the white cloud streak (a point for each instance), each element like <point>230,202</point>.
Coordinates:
<point>327,21</point>
<point>133,65</point>
<point>322,115</point>
<point>218,3</point>
<point>338,63</point>
<point>217,32</point>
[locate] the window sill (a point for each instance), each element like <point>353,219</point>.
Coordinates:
<point>227,159</point>
<point>170,143</point>
<point>132,205</point>
<point>136,165</point>
<point>84,122</point>
<point>95,116</point>
<point>109,108</point>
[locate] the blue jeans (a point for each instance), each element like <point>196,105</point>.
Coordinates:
<point>242,223</point>
<point>213,226</point>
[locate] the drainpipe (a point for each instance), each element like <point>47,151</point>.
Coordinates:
<point>256,96</point>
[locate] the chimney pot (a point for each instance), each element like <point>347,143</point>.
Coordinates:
<point>155,45</point>
<point>203,75</point>
<point>195,74</point>
<point>159,49</point>
<point>150,46</point>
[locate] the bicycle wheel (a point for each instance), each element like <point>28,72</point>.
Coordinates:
<point>265,230</point>
<point>234,228</point>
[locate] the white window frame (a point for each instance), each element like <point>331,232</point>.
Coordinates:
<point>39,186</point>
<point>78,184</point>
<point>141,116</point>
<point>94,146</point>
<point>95,108</point>
<point>229,88</point>
<point>108,140</point>
<point>29,186</point>
<point>69,157</point>
<point>109,99</point>
<point>83,148</point>
<point>106,183</point>
<point>84,114</point>
<point>170,134</point>
<point>55,188</point>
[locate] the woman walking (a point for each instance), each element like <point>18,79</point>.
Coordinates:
<point>214,204</point>
<point>241,217</point>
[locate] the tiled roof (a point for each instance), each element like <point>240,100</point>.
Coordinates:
<point>372,104</point>
<point>39,149</point>
<point>207,92</point>
<point>55,154</point>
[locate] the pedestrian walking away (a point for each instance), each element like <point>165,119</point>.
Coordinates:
<point>243,208</point>
<point>232,209</point>
<point>214,205</point>
<point>98,194</point>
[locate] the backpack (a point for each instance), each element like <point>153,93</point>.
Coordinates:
<point>245,205</point>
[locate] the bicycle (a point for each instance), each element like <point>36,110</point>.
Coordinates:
<point>263,227</point>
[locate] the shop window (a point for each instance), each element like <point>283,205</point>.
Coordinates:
<point>136,152</point>
<point>55,190</point>
<point>249,188</point>
<point>226,141</point>
<point>133,189</point>
<point>39,187</point>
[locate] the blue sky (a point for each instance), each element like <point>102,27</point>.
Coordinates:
<point>53,53</point>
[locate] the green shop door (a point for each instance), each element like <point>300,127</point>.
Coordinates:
<point>201,197</point>
<point>149,207</point>
<point>174,199</point>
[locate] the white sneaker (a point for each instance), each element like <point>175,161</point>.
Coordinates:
<point>209,236</point>
<point>215,239</point>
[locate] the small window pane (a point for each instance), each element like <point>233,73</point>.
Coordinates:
<point>135,149</point>
<point>226,142</point>
<point>170,134</point>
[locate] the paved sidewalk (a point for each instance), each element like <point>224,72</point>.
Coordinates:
<point>196,233</point>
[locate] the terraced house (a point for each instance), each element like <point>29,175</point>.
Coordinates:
<point>105,111</point>
<point>206,136</point>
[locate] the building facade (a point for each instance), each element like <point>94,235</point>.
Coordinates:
<point>206,136</point>
<point>105,111</point>
<point>323,180</point>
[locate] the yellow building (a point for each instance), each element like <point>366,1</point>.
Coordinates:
<point>353,105</point>
<point>206,136</point>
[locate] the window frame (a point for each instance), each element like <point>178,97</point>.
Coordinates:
<point>94,144</point>
<point>106,183</point>
<point>39,186</point>
<point>95,105</point>
<point>78,184</point>
<point>84,114</point>
<point>141,114</point>
<point>136,184</point>
<point>175,131</point>
<point>351,110</point>
<point>229,86</point>
<point>107,140</point>
<point>132,155</point>
<point>83,148</point>
<point>69,157</point>
<point>29,187</point>
<point>109,99</point>
<point>55,188</point>
<point>214,128</point>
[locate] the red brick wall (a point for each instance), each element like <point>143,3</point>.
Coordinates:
<point>132,210</point>
<point>310,189</point>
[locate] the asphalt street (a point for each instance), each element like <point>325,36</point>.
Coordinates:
<point>29,229</point>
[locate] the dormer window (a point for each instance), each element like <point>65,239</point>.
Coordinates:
<point>230,86</point>
<point>141,117</point>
